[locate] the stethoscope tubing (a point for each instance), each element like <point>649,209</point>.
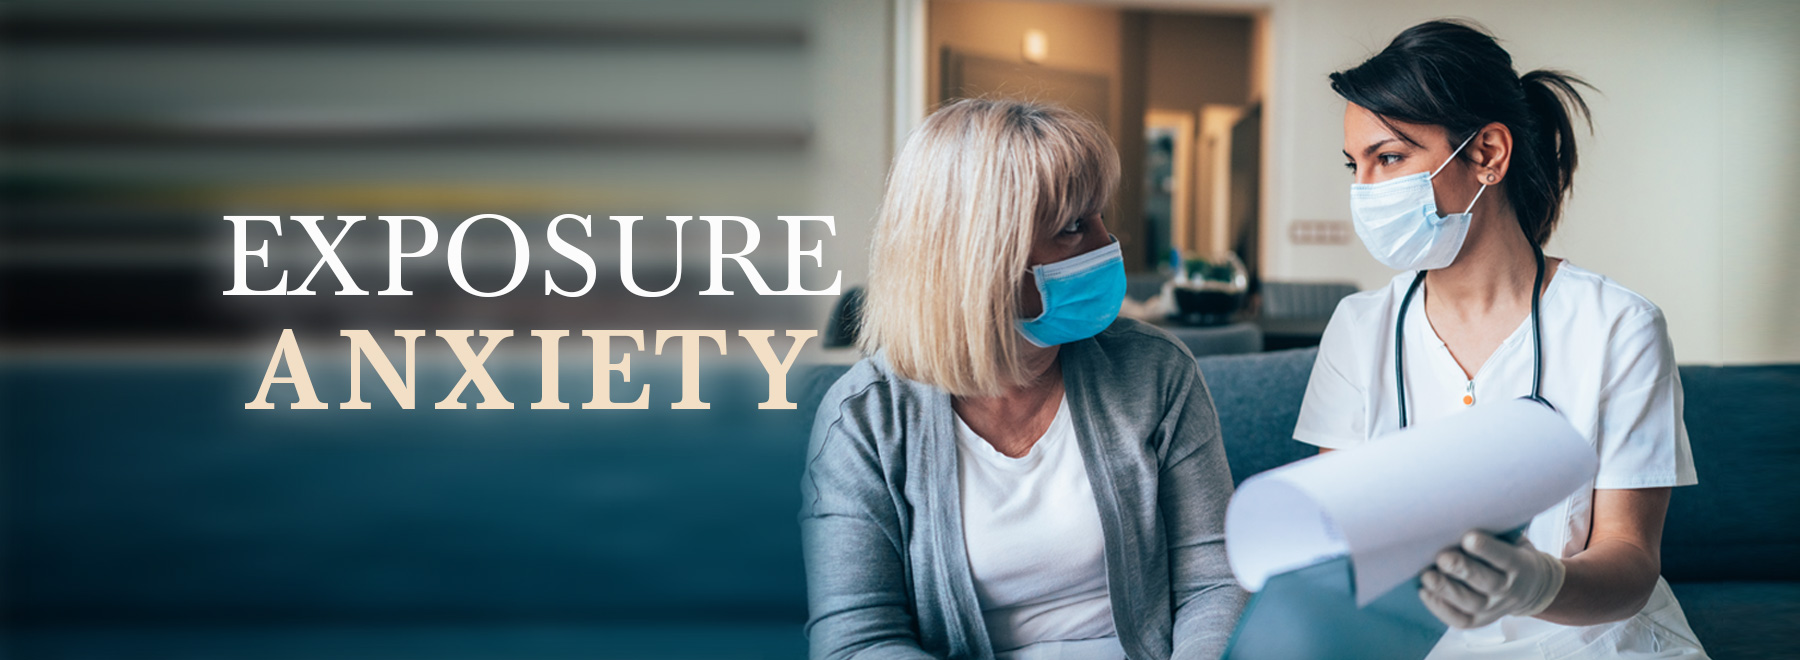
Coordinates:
<point>1537,338</point>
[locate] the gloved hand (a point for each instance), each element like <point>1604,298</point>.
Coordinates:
<point>1487,578</point>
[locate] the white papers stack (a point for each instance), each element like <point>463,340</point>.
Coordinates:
<point>1393,503</point>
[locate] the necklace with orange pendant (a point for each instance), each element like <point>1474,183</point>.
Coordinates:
<point>1468,397</point>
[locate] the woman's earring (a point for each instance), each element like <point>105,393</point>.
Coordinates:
<point>1488,178</point>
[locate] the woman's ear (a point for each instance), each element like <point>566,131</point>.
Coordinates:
<point>1491,152</point>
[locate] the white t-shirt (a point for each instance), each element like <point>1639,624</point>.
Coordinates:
<point>1608,367</point>
<point>1032,531</point>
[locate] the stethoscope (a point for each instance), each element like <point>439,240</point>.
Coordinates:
<point>1537,339</point>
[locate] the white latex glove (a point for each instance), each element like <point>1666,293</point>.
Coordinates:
<point>1487,578</point>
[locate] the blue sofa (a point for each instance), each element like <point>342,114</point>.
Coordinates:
<point>177,524</point>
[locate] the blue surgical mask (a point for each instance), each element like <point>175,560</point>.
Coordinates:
<point>1082,295</point>
<point>1398,221</point>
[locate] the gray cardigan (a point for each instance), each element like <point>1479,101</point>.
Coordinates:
<point>887,574</point>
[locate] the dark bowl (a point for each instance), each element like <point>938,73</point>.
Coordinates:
<point>1205,307</point>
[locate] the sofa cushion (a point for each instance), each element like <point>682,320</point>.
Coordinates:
<point>1258,399</point>
<point>461,640</point>
<point>177,505</point>
<point>1748,620</point>
<point>1740,522</point>
<point>213,512</point>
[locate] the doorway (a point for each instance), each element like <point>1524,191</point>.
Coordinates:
<point>1179,91</point>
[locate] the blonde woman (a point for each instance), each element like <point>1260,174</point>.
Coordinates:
<point>1013,472</point>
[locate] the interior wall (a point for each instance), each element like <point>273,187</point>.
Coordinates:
<point>1760,164</point>
<point>1081,38</point>
<point>1685,192</point>
<point>134,127</point>
<point>1197,59</point>
<point>853,86</point>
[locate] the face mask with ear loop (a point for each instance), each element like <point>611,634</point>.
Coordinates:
<point>1081,296</point>
<point>1398,221</point>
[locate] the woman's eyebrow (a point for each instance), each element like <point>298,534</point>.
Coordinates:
<point>1368,150</point>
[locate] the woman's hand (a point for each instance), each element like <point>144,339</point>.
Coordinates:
<point>1486,578</point>
<point>1609,581</point>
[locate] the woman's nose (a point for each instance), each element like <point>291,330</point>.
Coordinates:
<point>1367,174</point>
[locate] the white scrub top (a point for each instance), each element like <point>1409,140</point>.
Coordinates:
<point>1608,367</point>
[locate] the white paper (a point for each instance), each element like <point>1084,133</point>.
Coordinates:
<point>1393,503</point>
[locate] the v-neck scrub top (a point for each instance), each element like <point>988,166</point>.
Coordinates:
<point>1608,367</point>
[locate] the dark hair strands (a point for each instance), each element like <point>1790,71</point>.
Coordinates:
<point>1454,74</point>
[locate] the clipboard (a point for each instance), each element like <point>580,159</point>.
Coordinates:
<point>1311,612</point>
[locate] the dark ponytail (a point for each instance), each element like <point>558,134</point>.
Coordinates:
<point>1453,74</point>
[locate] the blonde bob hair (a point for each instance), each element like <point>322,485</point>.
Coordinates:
<point>972,190</point>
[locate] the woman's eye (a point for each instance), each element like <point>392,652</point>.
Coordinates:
<point>1388,159</point>
<point>1350,166</point>
<point>1074,227</point>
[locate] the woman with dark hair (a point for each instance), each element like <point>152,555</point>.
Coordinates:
<point>1432,122</point>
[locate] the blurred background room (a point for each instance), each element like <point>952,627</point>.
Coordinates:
<point>145,513</point>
